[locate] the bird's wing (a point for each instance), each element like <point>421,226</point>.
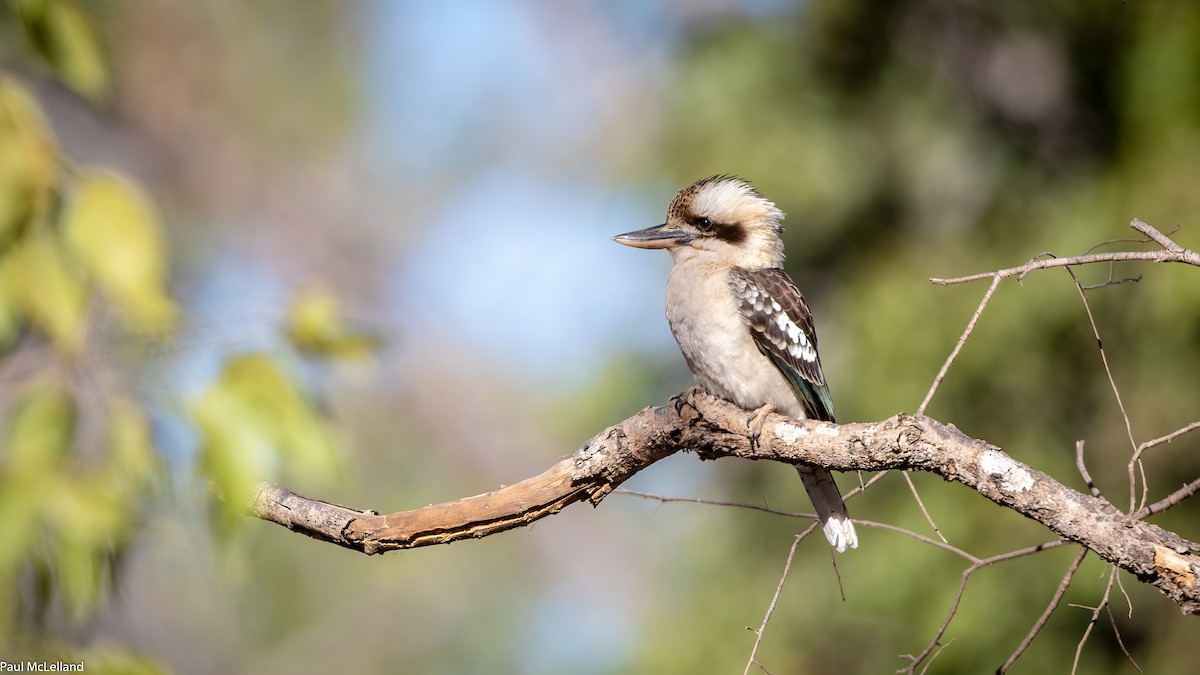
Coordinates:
<point>782,327</point>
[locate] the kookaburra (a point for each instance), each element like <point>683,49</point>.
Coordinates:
<point>740,321</point>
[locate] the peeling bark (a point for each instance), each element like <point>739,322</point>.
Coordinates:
<point>713,428</point>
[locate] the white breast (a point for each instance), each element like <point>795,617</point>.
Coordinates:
<point>715,339</point>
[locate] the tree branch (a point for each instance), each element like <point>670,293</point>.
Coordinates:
<point>1171,252</point>
<point>713,428</point>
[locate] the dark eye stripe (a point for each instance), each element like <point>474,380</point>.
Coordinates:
<point>733,233</point>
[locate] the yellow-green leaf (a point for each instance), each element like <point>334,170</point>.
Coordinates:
<point>40,431</point>
<point>51,292</point>
<point>28,160</point>
<point>255,423</point>
<point>79,570</point>
<point>315,325</point>
<point>115,231</point>
<point>111,659</point>
<point>86,518</point>
<point>21,501</point>
<point>234,452</point>
<point>66,38</point>
<point>131,459</point>
<point>10,303</point>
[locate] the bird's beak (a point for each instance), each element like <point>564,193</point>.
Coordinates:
<point>654,237</point>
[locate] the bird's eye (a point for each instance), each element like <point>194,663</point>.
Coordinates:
<point>703,224</point>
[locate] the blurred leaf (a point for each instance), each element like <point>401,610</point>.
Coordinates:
<point>50,291</point>
<point>39,435</point>
<point>21,499</point>
<point>89,517</point>
<point>114,660</point>
<point>10,305</point>
<point>250,419</point>
<point>28,160</point>
<point>315,325</point>
<point>68,518</point>
<point>40,431</point>
<point>130,459</point>
<point>66,38</point>
<point>115,231</point>
<point>234,452</point>
<point>79,575</point>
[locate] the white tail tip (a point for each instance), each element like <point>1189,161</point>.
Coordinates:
<point>840,533</point>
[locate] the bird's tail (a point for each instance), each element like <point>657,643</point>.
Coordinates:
<point>835,519</point>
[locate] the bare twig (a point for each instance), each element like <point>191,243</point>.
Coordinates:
<point>1170,500</point>
<point>758,634</point>
<point>1169,437</point>
<point>794,514</point>
<point>1171,252</point>
<point>1124,594</point>
<point>1092,621</point>
<point>962,340</point>
<point>837,574</point>
<point>862,487</point>
<point>791,554</point>
<point>962,587</point>
<point>921,503</point>
<point>713,502</point>
<point>1087,478</point>
<point>933,657</point>
<point>1112,621</point>
<point>1110,281</point>
<point>1053,605</point>
<point>1162,239</point>
<point>1135,460</point>
<point>714,428</point>
<point>919,537</point>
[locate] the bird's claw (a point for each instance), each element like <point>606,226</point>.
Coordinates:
<point>754,425</point>
<point>754,437</point>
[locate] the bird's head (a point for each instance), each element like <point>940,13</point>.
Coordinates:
<point>720,218</point>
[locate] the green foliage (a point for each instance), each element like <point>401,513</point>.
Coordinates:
<point>115,660</point>
<point>64,515</point>
<point>51,291</point>
<point>51,259</point>
<point>315,325</point>
<point>918,141</point>
<point>113,229</point>
<point>76,469</point>
<point>63,35</point>
<point>38,439</point>
<point>28,160</point>
<point>253,420</point>
<point>903,142</point>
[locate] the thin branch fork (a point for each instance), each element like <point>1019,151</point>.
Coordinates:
<point>1170,252</point>
<point>713,428</point>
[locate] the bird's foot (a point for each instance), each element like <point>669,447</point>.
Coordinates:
<point>684,400</point>
<point>679,404</point>
<point>755,424</point>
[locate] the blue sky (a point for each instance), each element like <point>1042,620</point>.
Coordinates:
<point>515,259</point>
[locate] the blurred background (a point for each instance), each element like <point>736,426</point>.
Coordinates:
<point>371,259</point>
